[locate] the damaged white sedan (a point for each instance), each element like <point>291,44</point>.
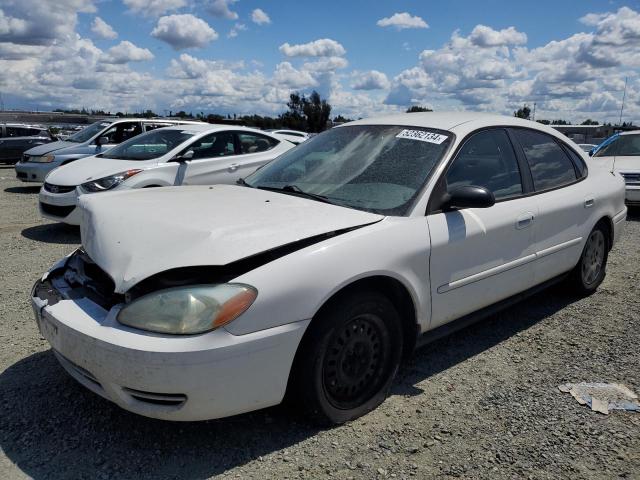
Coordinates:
<point>321,270</point>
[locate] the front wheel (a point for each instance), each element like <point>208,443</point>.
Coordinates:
<point>590,271</point>
<point>348,358</point>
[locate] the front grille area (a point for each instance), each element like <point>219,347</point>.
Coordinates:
<point>21,175</point>
<point>631,178</point>
<point>162,399</point>
<point>57,210</point>
<point>58,188</point>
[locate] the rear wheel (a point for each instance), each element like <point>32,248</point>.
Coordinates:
<point>348,358</point>
<point>590,271</point>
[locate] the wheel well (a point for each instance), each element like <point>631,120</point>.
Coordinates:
<point>399,296</point>
<point>151,186</point>
<point>607,223</point>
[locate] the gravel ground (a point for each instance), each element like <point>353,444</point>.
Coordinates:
<point>482,403</point>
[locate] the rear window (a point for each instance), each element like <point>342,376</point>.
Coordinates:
<point>550,166</point>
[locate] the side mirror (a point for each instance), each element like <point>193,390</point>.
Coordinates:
<point>468,196</point>
<point>188,155</point>
<point>591,152</point>
<point>102,141</point>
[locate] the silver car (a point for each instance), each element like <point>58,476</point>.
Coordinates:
<point>97,138</point>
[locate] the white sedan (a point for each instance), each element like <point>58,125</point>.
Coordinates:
<point>316,275</point>
<point>195,154</point>
<point>621,154</point>
<point>294,136</point>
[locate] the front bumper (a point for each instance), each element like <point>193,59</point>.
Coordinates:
<point>169,377</point>
<point>33,171</point>
<point>60,207</point>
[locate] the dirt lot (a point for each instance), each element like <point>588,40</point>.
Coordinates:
<point>482,403</point>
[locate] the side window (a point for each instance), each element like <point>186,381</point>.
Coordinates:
<point>487,160</point>
<point>20,132</point>
<point>122,131</point>
<point>550,166</point>
<point>628,146</point>
<point>578,162</point>
<point>219,144</point>
<point>254,142</point>
<point>152,126</point>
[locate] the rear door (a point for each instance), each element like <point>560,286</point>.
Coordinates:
<point>564,202</point>
<point>226,156</point>
<point>480,256</point>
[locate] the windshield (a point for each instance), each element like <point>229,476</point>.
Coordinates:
<point>377,168</point>
<point>89,132</point>
<point>619,145</point>
<point>149,145</point>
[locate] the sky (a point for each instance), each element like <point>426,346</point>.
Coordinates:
<point>570,58</point>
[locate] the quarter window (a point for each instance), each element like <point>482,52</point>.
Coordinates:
<point>550,166</point>
<point>487,160</point>
<point>254,143</point>
<point>219,144</point>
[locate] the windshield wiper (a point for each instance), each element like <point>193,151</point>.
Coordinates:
<point>298,191</point>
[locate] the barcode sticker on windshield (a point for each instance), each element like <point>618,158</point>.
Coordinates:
<point>422,136</point>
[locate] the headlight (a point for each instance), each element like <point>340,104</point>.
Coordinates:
<point>107,183</point>
<point>42,159</point>
<point>188,310</point>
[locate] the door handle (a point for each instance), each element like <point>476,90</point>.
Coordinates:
<point>523,221</point>
<point>233,167</point>
<point>589,202</point>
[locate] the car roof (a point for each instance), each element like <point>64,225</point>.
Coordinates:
<point>212,127</point>
<point>630,132</point>
<point>457,122</point>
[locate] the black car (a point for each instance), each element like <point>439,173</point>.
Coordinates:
<point>18,138</point>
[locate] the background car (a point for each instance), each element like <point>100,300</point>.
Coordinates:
<point>587,147</point>
<point>195,154</point>
<point>98,137</point>
<point>326,267</point>
<point>621,153</point>
<point>16,138</point>
<point>294,136</point>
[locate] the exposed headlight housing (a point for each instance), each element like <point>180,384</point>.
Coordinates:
<point>107,183</point>
<point>42,159</point>
<point>188,310</point>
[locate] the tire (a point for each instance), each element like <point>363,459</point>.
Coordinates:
<point>590,271</point>
<point>348,358</point>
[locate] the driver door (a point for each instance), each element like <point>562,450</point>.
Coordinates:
<point>480,256</point>
<point>118,134</point>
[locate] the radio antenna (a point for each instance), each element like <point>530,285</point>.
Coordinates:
<point>615,150</point>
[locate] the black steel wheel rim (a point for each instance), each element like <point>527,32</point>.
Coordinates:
<point>356,362</point>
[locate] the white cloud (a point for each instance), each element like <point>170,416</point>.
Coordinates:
<point>154,8</point>
<point>102,29</point>
<point>222,9</point>
<point>484,36</point>
<point>324,47</point>
<point>401,21</point>
<point>288,76</point>
<point>238,27</point>
<point>371,80</point>
<point>125,52</point>
<point>260,17</point>
<point>326,64</point>
<point>184,31</point>
<point>26,22</point>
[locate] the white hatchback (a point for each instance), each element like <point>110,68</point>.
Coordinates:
<point>317,274</point>
<point>195,154</point>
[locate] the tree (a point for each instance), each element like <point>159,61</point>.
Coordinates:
<point>588,121</point>
<point>418,108</point>
<point>308,114</point>
<point>560,122</point>
<point>544,122</point>
<point>523,112</point>
<point>341,119</point>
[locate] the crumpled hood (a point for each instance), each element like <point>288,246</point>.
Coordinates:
<point>135,234</point>
<point>92,168</point>
<point>50,147</point>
